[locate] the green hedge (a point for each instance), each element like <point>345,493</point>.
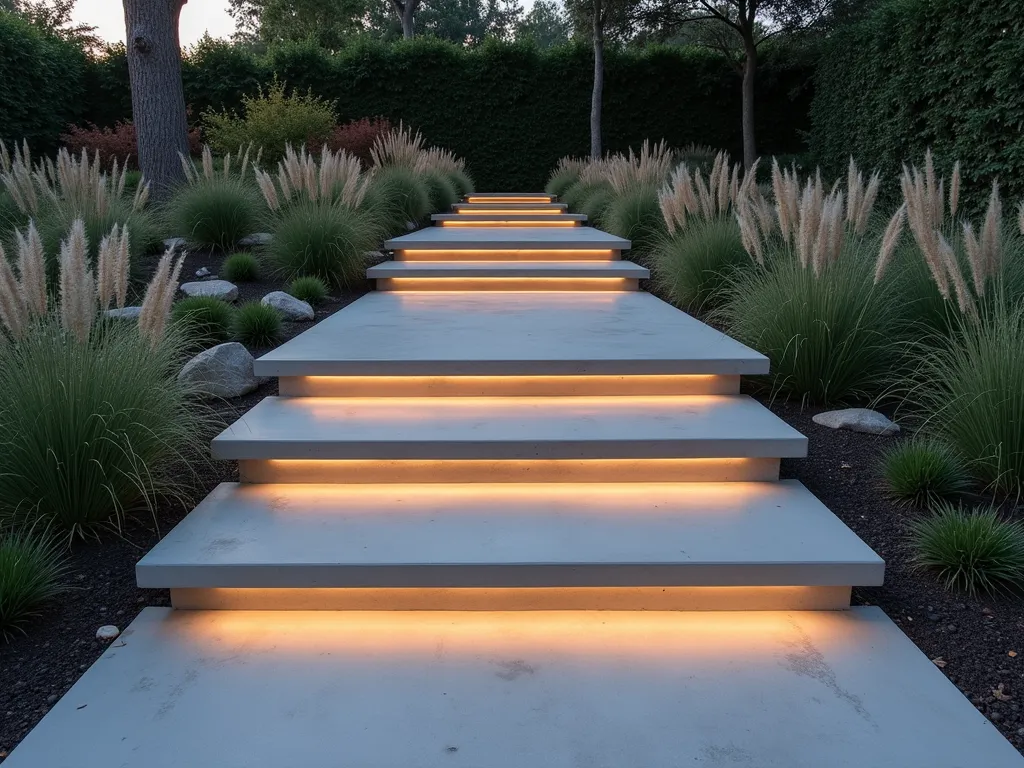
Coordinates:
<point>510,109</point>
<point>917,73</point>
<point>41,83</point>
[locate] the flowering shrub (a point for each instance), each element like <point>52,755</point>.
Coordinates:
<point>118,143</point>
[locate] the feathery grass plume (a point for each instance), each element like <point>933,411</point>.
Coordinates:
<point>861,198</point>
<point>749,234</point>
<point>954,190</point>
<point>442,161</point>
<point>207,162</point>
<point>337,177</point>
<point>13,312</point>
<point>112,268</point>
<point>77,284</point>
<point>5,158</point>
<point>32,270</point>
<point>677,199</point>
<point>976,258</point>
<point>399,146</point>
<point>963,295</point>
<point>921,219</point>
<point>121,269</point>
<point>991,233</point>
<point>786,189</point>
<point>1020,218</point>
<point>893,231</point>
<point>631,171</point>
<point>156,306</point>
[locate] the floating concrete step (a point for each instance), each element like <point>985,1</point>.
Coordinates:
<point>260,689</point>
<point>533,207</point>
<point>508,219</point>
<point>508,275</point>
<point>509,197</point>
<point>524,428</point>
<point>628,333</point>
<point>484,243</point>
<point>510,536</point>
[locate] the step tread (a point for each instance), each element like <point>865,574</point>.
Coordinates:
<point>681,426</point>
<point>510,334</point>
<point>507,238</point>
<point>510,535</point>
<point>525,205</point>
<point>486,217</point>
<point>511,194</point>
<point>626,269</point>
<point>263,689</point>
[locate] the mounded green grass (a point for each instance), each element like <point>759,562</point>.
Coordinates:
<point>312,290</point>
<point>241,267</point>
<point>31,573</point>
<point>441,192</point>
<point>203,320</point>
<point>923,470</point>
<point>396,196</point>
<point>560,181</point>
<point>693,268</point>
<point>462,182</point>
<point>256,324</point>
<point>636,216</point>
<point>215,213</point>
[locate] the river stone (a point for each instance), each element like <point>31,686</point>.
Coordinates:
<point>222,371</point>
<point>128,313</point>
<point>289,307</point>
<point>107,632</point>
<point>255,239</point>
<point>857,420</point>
<point>218,289</point>
<point>203,272</point>
<point>174,244</point>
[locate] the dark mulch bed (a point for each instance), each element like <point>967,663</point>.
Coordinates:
<point>974,638</point>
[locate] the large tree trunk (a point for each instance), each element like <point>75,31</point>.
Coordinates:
<point>749,139</point>
<point>158,100</point>
<point>406,12</point>
<point>595,100</point>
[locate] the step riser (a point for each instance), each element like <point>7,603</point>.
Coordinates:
<point>507,284</point>
<point>504,386</point>
<point>558,599</point>
<point>478,198</point>
<point>447,254</point>
<point>514,207</point>
<point>537,222</point>
<point>607,471</point>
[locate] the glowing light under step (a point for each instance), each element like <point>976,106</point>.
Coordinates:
<point>507,284</point>
<point>567,254</point>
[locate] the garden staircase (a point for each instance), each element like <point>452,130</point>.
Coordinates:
<point>509,510</point>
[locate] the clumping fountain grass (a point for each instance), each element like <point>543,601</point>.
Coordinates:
<point>398,195</point>
<point>564,176</point>
<point>923,470</point>
<point>93,430</point>
<point>204,320</point>
<point>972,551</point>
<point>310,289</point>
<point>31,573</point>
<point>461,181</point>
<point>215,212</point>
<point>636,216</point>
<point>694,267</point>
<point>441,192</point>
<point>256,324</point>
<point>241,268</point>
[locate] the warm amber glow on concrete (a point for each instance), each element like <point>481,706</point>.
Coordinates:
<point>507,470</point>
<point>511,199</point>
<point>490,223</point>
<point>507,284</point>
<point>498,386</point>
<point>518,599</point>
<point>516,255</point>
<point>491,211</point>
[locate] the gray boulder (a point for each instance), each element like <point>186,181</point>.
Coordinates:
<point>127,313</point>
<point>857,420</point>
<point>218,289</point>
<point>223,371</point>
<point>255,239</point>
<point>289,307</point>
<point>175,244</point>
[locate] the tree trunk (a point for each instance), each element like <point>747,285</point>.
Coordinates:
<point>595,100</point>
<point>749,139</point>
<point>406,12</point>
<point>158,100</point>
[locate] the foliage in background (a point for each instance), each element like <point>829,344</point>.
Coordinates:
<point>114,143</point>
<point>357,137</point>
<point>31,573</point>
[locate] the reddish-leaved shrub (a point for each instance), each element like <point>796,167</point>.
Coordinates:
<point>358,136</point>
<point>118,142</point>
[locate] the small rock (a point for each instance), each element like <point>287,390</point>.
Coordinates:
<point>995,717</point>
<point>256,238</point>
<point>107,632</point>
<point>174,244</point>
<point>52,698</point>
<point>202,272</point>
<point>127,313</point>
<point>289,307</point>
<point>951,627</point>
<point>857,420</point>
<point>933,617</point>
<point>373,258</point>
<point>218,289</point>
<point>222,371</point>
<point>987,611</point>
<point>410,225</point>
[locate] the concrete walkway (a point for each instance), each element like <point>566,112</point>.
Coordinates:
<point>509,510</point>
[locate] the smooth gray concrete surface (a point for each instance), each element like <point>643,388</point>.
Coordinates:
<point>482,218</point>
<point>228,689</point>
<point>476,269</point>
<point>507,238</point>
<point>547,535</point>
<point>539,205</point>
<point>543,195</point>
<point>647,427</point>
<point>510,334</point>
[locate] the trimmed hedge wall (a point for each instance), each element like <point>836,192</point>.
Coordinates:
<point>917,73</point>
<point>511,110</point>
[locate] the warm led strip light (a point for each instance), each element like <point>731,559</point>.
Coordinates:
<point>505,386</point>
<point>507,470</point>
<point>524,199</point>
<point>463,211</point>
<point>771,598</point>
<point>520,254</point>
<point>463,284</point>
<point>506,223</point>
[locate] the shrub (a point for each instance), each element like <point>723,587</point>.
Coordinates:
<point>30,574</point>
<point>95,428</point>
<point>829,337</point>
<point>461,181</point>
<point>397,195</point>
<point>441,192</point>
<point>271,120</point>
<point>204,320</point>
<point>322,240</point>
<point>972,551</point>
<point>241,268</point>
<point>923,470</point>
<point>694,267</point>
<point>117,143</point>
<point>566,173</point>
<point>256,324</point>
<point>358,136</point>
<point>635,215</point>
<point>214,212</point>
<point>310,289</point>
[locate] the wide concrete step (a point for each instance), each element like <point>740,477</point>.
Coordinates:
<point>509,197</point>
<point>212,689</point>
<point>629,333</point>
<point>525,428</point>
<point>534,270</point>
<point>494,205</point>
<point>506,535</point>
<point>448,239</point>
<point>507,219</point>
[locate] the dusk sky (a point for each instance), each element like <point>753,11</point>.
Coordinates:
<point>197,17</point>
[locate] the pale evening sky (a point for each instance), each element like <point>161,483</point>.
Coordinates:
<point>197,17</point>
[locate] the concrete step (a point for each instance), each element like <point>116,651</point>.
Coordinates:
<point>486,243</point>
<point>509,197</point>
<point>517,537</point>
<point>212,689</point>
<point>515,428</point>
<point>508,275</point>
<point>631,334</point>
<point>508,219</point>
<point>531,206</point>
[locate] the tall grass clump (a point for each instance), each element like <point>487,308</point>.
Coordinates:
<point>31,573</point>
<point>203,320</point>
<point>923,470</point>
<point>566,173</point>
<point>444,162</point>
<point>241,267</point>
<point>256,324</point>
<point>971,551</point>
<point>311,290</point>
<point>94,424</point>
<point>215,209</point>
<point>398,197</point>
